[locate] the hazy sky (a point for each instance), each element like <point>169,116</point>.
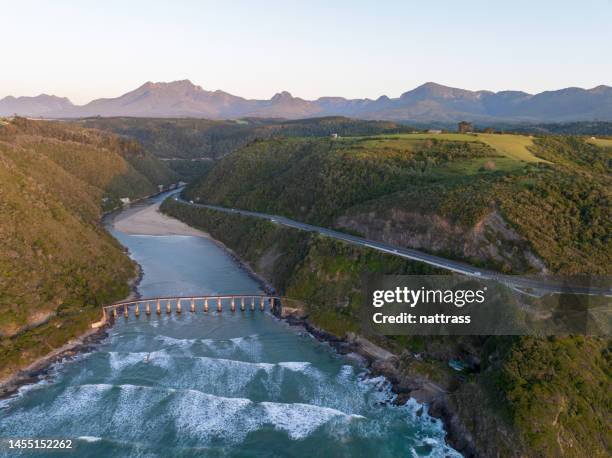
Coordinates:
<point>88,49</point>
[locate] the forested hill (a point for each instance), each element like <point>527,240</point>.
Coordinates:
<point>189,146</point>
<point>510,202</point>
<point>57,263</point>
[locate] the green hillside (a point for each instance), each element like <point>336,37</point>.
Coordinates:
<point>57,263</point>
<point>550,214</point>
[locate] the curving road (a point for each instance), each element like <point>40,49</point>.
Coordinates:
<point>535,285</point>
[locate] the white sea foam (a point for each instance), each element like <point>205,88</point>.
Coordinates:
<point>173,341</point>
<point>127,412</point>
<point>221,375</point>
<point>89,438</point>
<point>24,389</point>
<point>121,360</point>
<point>123,411</point>
<point>248,347</point>
<point>206,416</point>
<point>300,420</point>
<point>346,373</point>
<point>295,366</point>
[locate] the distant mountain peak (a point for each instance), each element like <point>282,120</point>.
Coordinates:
<point>436,90</point>
<point>601,88</point>
<point>430,85</point>
<point>282,96</point>
<point>40,105</point>
<point>184,85</point>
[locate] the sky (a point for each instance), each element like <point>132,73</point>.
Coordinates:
<point>90,49</point>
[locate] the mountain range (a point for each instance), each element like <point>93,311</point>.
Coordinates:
<point>429,102</point>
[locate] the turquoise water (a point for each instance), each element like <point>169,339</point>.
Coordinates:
<point>243,384</point>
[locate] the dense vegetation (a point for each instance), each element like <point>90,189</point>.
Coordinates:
<point>597,128</point>
<point>57,263</point>
<point>316,180</point>
<point>189,145</point>
<point>559,206</point>
<point>557,391</point>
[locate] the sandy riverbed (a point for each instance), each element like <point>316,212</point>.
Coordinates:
<point>149,221</point>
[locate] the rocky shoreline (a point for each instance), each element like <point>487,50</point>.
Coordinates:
<point>380,362</point>
<point>84,343</point>
<point>41,368</point>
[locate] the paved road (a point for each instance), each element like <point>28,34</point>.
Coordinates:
<point>519,282</point>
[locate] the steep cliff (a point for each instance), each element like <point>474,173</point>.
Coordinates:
<point>489,241</point>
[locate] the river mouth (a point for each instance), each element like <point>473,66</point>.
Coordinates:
<point>214,384</point>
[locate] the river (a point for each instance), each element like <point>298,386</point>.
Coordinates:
<point>243,384</point>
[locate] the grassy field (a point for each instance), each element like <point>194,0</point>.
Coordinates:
<point>513,146</point>
<point>601,142</point>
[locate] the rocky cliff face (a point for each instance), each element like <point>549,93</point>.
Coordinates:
<point>490,240</point>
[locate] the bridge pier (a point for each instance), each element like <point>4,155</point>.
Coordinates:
<point>219,306</point>
<point>233,304</point>
<point>192,309</point>
<point>252,304</point>
<point>114,312</point>
<point>206,305</point>
<point>137,310</point>
<point>148,308</point>
<point>125,310</point>
<point>242,304</point>
<point>168,307</point>
<point>178,306</point>
<point>158,310</point>
<point>262,304</point>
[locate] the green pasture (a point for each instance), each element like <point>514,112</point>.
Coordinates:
<point>601,142</point>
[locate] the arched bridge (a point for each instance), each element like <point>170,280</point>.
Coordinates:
<point>174,304</point>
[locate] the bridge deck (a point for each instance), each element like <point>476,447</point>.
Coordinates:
<point>175,303</point>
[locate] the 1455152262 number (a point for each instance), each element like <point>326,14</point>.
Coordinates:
<point>39,443</point>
